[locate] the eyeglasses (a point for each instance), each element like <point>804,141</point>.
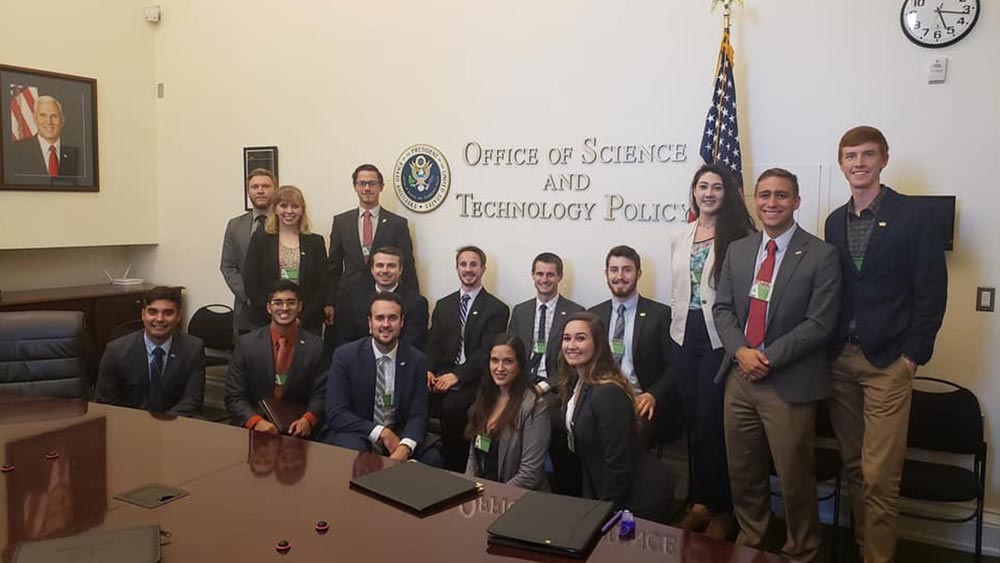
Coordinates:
<point>368,184</point>
<point>279,303</point>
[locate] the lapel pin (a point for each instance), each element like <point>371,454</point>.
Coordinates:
<point>563,313</point>
<point>384,220</point>
<point>882,223</point>
<point>797,252</point>
<point>475,312</point>
<point>402,364</point>
<point>642,314</point>
<point>302,341</point>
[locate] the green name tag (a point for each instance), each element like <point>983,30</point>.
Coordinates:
<point>280,378</point>
<point>539,347</point>
<point>761,290</point>
<point>385,400</point>
<point>483,443</point>
<point>617,347</point>
<point>290,274</point>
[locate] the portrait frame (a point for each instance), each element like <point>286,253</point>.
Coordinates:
<point>253,158</point>
<point>23,165</point>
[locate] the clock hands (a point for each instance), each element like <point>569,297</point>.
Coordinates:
<point>940,15</point>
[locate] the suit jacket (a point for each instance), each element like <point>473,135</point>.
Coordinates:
<point>251,375</point>
<point>650,344</point>
<point>802,314</point>
<point>123,376</point>
<point>487,317</point>
<point>347,265</point>
<point>262,271</point>
<point>606,441</point>
<point>235,244</point>
<point>352,315</point>
<point>521,454</point>
<point>25,159</point>
<point>522,324</point>
<point>898,298</point>
<point>350,392</point>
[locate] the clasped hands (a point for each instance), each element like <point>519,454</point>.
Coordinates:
<point>440,383</point>
<point>752,364</point>
<point>398,451</point>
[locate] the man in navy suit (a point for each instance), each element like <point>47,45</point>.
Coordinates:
<point>357,232</point>
<point>157,368</point>
<point>895,290</point>
<point>376,396</point>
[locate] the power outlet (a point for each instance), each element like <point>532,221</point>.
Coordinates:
<point>986,299</point>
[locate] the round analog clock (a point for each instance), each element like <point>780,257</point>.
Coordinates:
<point>938,23</point>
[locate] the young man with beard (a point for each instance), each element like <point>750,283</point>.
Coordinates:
<point>260,188</point>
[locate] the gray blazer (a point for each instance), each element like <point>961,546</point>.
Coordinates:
<point>234,256</point>
<point>522,324</point>
<point>805,301</point>
<point>521,458</point>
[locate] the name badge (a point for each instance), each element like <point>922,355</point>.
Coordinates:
<point>385,400</point>
<point>483,443</point>
<point>618,347</point>
<point>280,378</point>
<point>761,290</point>
<point>539,347</point>
<point>290,274</point>
<point>366,251</point>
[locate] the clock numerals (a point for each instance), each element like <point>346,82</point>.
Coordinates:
<point>919,3</point>
<point>939,23</point>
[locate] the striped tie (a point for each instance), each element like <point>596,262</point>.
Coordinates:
<point>383,414</point>
<point>620,333</point>
<point>463,314</point>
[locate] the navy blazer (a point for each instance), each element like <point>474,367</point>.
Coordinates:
<point>251,375</point>
<point>898,298</point>
<point>350,392</point>
<point>123,378</point>
<point>262,271</point>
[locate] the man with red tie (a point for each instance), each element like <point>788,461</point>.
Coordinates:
<point>281,361</point>
<point>44,155</point>
<point>776,308</point>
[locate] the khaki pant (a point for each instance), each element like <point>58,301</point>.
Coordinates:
<point>870,412</point>
<point>759,421</point>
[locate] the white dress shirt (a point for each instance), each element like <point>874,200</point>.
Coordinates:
<point>779,254</point>
<point>150,346</point>
<point>473,294</point>
<point>550,316</point>
<point>631,304</point>
<point>390,388</point>
<point>361,225</point>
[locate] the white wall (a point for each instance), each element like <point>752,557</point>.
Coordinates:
<point>334,84</point>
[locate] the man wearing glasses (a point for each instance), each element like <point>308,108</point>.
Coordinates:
<point>278,361</point>
<point>357,232</point>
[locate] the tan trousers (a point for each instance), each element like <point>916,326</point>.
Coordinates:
<point>870,412</point>
<point>758,421</point>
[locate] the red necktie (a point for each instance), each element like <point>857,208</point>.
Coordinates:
<point>366,230</point>
<point>53,161</point>
<point>758,307</point>
<point>282,363</point>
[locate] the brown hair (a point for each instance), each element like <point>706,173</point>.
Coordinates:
<point>287,194</point>
<point>489,392</point>
<point>734,220</point>
<point>262,172</point>
<point>602,369</point>
<point>860,135</point>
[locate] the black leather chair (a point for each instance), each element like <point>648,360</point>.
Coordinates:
<point>948,421</point>
<point>213,324</point>
<point>42,353</point>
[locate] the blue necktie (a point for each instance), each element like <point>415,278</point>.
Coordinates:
<point>155,388</point>
<point>463,314</point>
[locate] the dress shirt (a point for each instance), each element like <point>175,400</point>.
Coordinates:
<point>472,293</point>
<point>550,316</point>
<point>631,304</point>
<point>390,290</point>
<point>390,387</point>
<point>571,403</point>
<point>782,245</point>
<point>253,220</point>
<point>150,346</point>
<point>361,224</point>
<point>44,146</point>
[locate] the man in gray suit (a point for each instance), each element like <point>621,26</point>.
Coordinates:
<point>260,188</point>
<point>158,368</point>
<point>539,322</point>
<point>776,308</point>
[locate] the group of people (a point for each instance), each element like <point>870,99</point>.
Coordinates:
<point>761,327</point>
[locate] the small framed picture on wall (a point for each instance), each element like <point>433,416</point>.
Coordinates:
<point>48,131</point>
<point>254,158</point>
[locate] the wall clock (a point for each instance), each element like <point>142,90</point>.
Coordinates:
<point>938,23</point>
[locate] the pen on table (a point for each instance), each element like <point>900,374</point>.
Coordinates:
<point>611,521</point>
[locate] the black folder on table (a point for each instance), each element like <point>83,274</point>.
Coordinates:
<point>131,545</point>
<point>416,487</point>
<point>551,523</point>
<point>281,413</point>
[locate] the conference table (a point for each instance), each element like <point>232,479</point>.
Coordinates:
<point>248,491</point>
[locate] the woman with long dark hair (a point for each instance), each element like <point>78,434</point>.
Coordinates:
<point>599,411</point>
<point>509,424</point>
<point>696,254</point>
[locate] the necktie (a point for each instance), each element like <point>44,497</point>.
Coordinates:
<point>619,334</point>
<point>383,412</point>
<point>463,313</point>
<point>366,232</point>
<point>155,387</point>
<point>281,361</point>
<point>536,357</point>
<point>53,161</point>
<point>258,223</point>
<point>757,318</point>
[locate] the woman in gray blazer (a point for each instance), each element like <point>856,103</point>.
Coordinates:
<point>509,424</point>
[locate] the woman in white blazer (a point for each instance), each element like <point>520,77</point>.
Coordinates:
<point>696,254</point>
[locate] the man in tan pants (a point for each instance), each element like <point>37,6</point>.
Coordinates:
<point>775,310</point>
<point>895,288</point>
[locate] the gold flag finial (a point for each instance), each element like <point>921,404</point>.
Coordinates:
<point>727,9</point>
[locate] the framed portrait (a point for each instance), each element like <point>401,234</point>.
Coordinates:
<point>254,158</point>
<point>48,131</point>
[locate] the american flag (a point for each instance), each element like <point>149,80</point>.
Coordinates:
<point>721,142</point>
<point>22,111</point>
